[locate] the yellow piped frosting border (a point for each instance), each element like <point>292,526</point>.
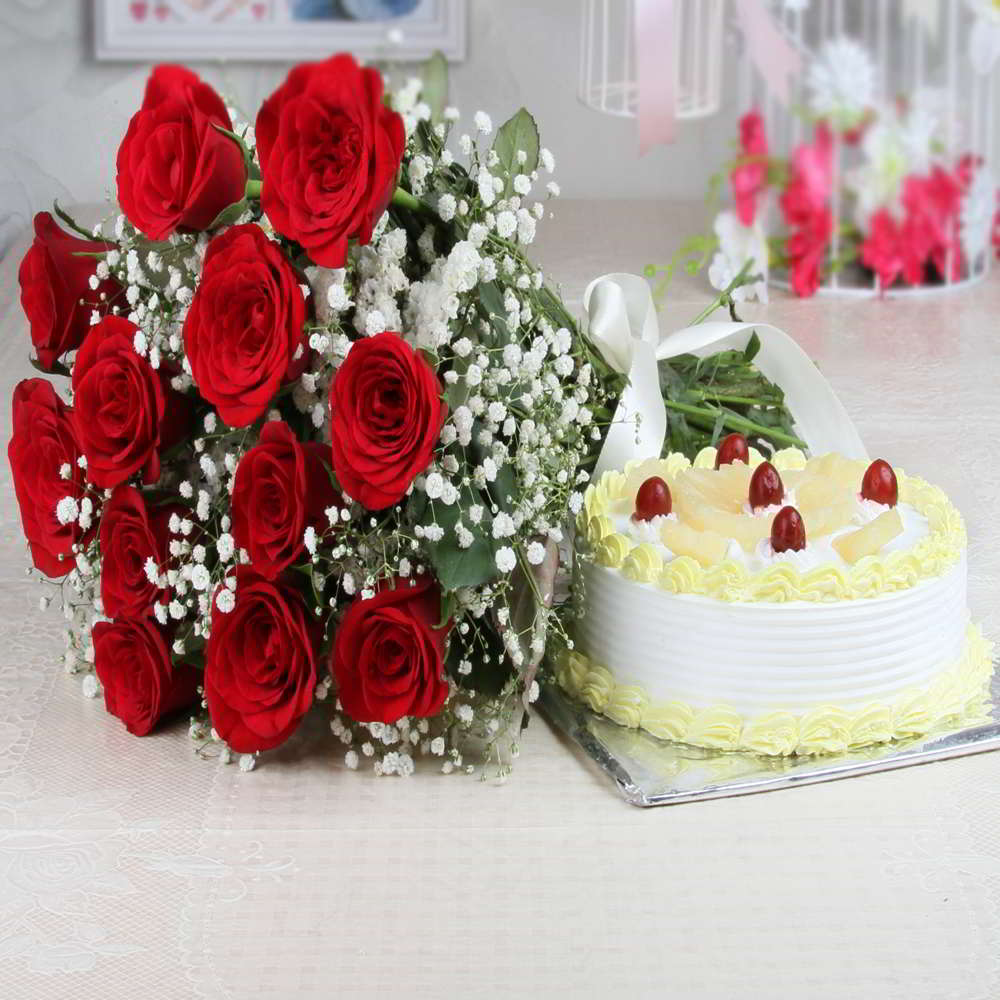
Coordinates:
<point>959,691</point>
<point>729,580</point>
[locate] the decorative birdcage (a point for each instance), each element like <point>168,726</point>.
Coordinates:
<point>664,52</point>
<point>908,89</point>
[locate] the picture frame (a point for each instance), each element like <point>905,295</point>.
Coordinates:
<point>276,30</point>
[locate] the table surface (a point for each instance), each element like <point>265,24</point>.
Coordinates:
<point>133,868</point>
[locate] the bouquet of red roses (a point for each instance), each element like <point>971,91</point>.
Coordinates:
<point>322,424</point>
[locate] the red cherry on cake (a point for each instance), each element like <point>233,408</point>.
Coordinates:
<point>732,448</point>
<point>652,500</point>
<point>766,487</point>
<point>879,483</point>
<point>788,531</point>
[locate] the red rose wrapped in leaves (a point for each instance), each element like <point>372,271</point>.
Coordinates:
<point>49,483</point>
<point>328,421</point>
<point>243,334</point>
<point>141,685</point>
<point>329,152</point>
<point>133,538</point>
<point>56,293</point>
<point>175,168</point>
<point>125,411</point>
<point>387,414</point>
<point>281,487</point>
<point>388,658</point>
<point>260,665</point>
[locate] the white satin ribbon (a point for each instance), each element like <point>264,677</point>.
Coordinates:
<point>623,326</point>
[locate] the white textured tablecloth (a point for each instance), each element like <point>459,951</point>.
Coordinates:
<point>131,868</point>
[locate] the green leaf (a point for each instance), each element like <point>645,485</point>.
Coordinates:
<point>753,346</point>
<point>435,85</point>
<point>58,368</point>
<point>486,678</point>
<point>457,567</point>
<point>517,133</point>
<point>229,214</point>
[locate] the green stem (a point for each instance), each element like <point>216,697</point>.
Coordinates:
<point>735,422</point>
<point>403,199</point>
<point>253,189</point>
<point>723,297</point>
<point>733,400</point>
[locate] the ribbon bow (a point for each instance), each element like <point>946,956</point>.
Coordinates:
<point>622,325</point>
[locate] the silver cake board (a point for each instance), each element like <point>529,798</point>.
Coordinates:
<point>653,772</point>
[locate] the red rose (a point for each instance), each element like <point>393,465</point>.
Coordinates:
<point>175,168</point>
<point>388,657</point>
<point>131,534</point>
<point>329,153</point>
<point>281,487</point>
<point>55,289</point>
<point>141,686</point>
<point>387,414</point>
<point>42,447</point>
<point>245,325</point>
<point>260,665</point>
<point>125,410</point>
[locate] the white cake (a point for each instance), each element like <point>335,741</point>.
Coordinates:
<point>732,645</point>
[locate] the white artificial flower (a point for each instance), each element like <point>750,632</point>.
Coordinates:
<point>737,245</point>
<point>482,122</point>
<point>841,82</point>
<point>984,38</point>
<point>976,215</point>
<point>895,146</point>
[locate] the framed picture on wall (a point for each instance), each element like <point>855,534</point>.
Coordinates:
<point>282,30</point>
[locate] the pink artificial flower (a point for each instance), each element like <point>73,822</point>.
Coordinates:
<point>882,248</point>
<point>930,224</point>
<point>749,180</point>
<point>805,207</point>
<point>811,179</point>
<point>805,249</point>
<point>966,169</point>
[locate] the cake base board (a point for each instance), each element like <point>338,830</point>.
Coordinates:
<point>653,772</point>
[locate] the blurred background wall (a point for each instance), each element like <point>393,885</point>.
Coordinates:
<point>62,114</point>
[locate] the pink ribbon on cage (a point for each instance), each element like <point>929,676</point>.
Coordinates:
<point>656,69</point>
<point>768,47</point>
<point>656,73</point>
